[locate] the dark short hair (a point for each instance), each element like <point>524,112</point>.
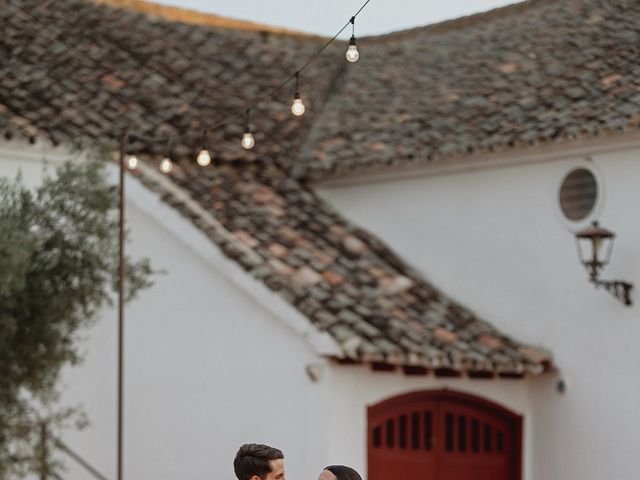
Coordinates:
<point>344,473</point>
<point>253,459</point>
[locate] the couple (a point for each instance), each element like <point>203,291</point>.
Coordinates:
<point>261,462</point>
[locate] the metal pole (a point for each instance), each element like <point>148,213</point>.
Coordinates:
<point>123,144</point>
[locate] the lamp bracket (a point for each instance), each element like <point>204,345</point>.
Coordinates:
<point>620,290</point>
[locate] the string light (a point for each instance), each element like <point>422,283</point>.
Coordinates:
<point>166,165</point>
<point>297,108</point>
<point>248,142</point>
<point>352,52</point>
<point>132,162</point>
<point>204,158</point>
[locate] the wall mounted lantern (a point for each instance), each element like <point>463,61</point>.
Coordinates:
<point>595,245</point>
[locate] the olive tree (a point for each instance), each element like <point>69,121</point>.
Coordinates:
<point>58,268</point>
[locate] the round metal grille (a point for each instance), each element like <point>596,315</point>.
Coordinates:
<point>578,194</point>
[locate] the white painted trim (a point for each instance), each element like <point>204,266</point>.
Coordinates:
<point>37,152</point>
<point>590,164</point>
<point>187,233</point>
<point>506,158</point>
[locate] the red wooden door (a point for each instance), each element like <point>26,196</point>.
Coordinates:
<point>443,435</point>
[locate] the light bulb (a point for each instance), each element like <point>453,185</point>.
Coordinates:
<point>132,162</point>
<point>352,52</point>
<point>166,165</point>
<point>248,141</point>
<point>298,107</point>
<point>204,158</point>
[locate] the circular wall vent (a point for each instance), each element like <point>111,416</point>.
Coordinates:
<point>578,194</point>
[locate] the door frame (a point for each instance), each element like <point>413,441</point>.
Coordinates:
<point>515,420</point>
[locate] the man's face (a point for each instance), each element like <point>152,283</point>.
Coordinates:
<point>277,470</point>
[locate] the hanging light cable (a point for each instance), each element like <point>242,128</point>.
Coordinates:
<point>297,108</point>
<point>248,141</point>
<point>352,52</point>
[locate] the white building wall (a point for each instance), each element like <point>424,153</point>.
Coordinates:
<point>494,240</point>
<point>354,388</point>
<point>207,367</point>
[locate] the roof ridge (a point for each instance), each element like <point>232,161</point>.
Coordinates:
<point>185,15</point>
<point>195,17</point>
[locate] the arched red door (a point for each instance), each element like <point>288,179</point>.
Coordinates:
<point>443,435</point>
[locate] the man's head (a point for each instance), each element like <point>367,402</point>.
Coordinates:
<point>259,462</point>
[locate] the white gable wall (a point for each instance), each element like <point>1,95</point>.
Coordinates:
<point>208,367</point>
<point>494,240</point>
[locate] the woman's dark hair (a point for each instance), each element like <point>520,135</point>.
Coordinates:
<point>344,473</point>
<point>254,459</point>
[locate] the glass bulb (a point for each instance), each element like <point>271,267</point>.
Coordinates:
<point>248,141</point>
<point>597,245</point>
<point>352,54</point>
<point>204,158</point>
<point>132,162</point>
<point>166,165</point>
<point>298,107</point>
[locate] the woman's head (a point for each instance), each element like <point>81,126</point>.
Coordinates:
<point>339,472</point>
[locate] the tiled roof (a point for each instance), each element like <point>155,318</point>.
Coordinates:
<point>345,280</point>
<point>530,74</point>
<point>73,70</point>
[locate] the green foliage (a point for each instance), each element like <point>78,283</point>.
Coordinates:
<point>58,268</point>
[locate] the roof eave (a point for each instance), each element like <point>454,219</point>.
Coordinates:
<point>507,157</point>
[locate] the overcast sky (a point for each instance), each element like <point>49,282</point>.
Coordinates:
<point>326,17</point>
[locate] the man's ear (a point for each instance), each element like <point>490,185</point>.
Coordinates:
<point>255,477</point>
